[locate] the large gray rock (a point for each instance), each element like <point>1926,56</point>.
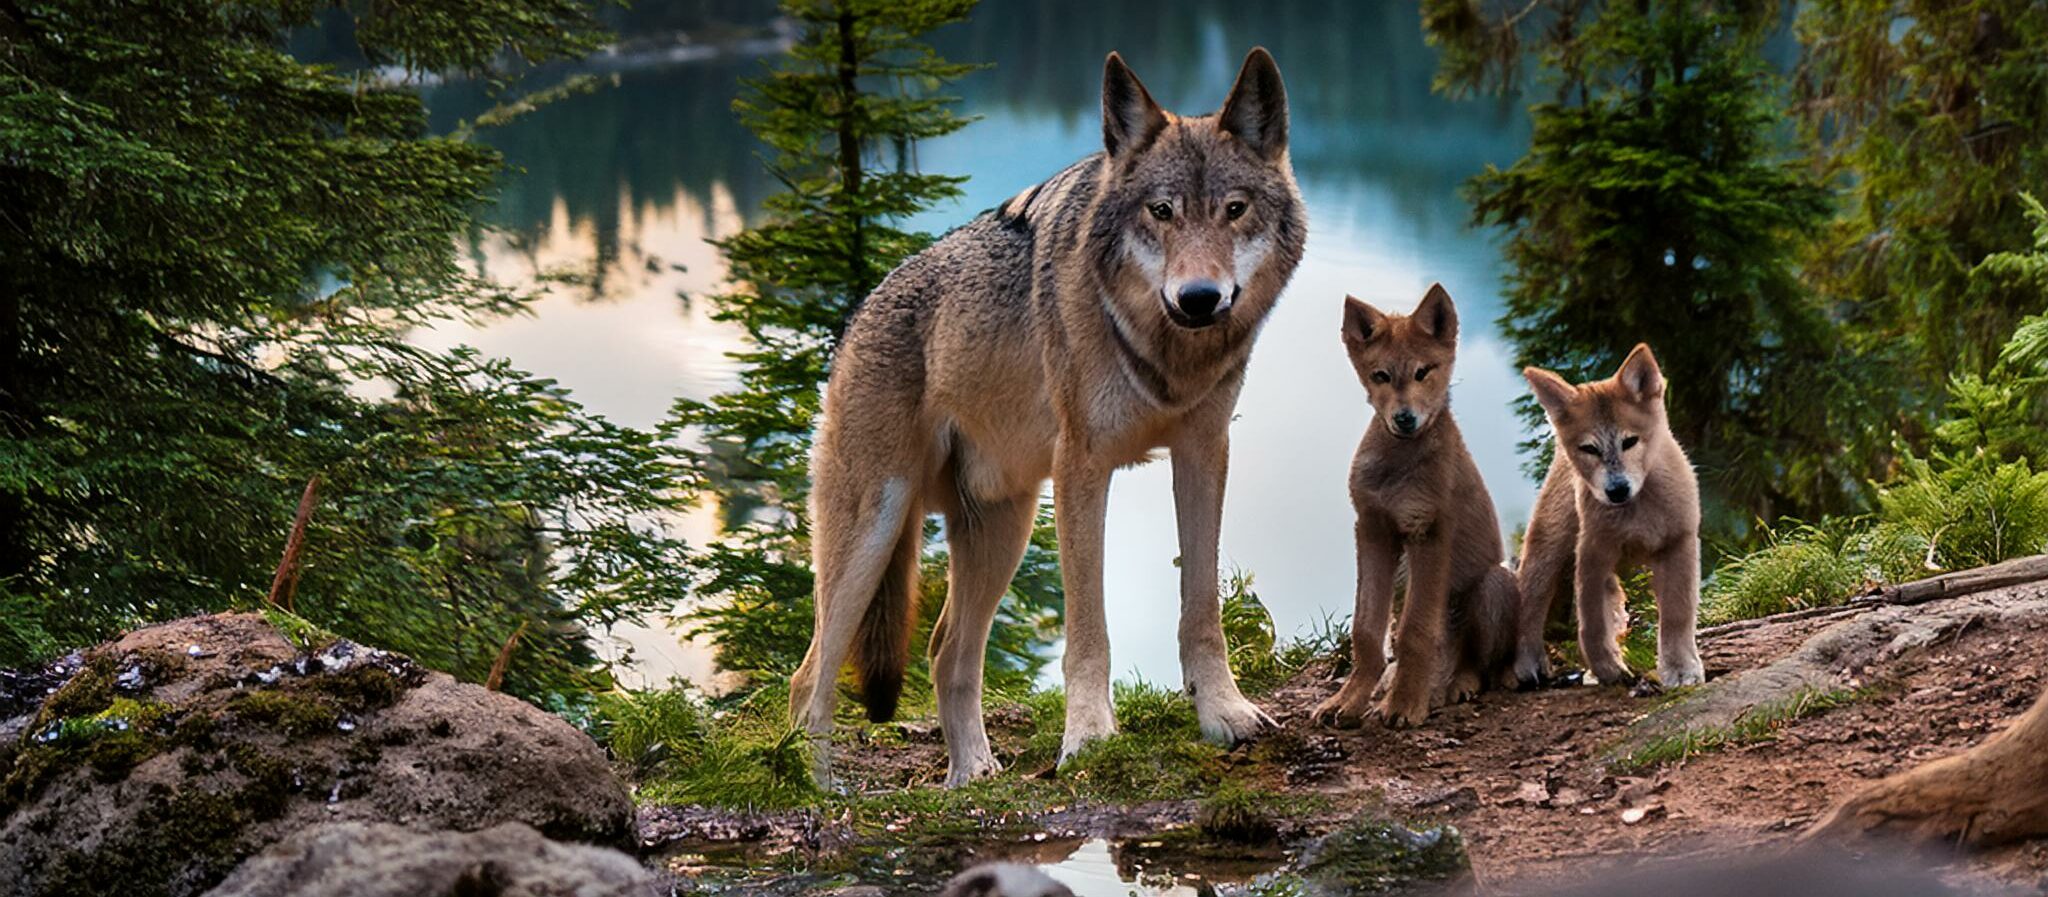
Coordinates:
<point>354,859</point>
<point>175,752</point>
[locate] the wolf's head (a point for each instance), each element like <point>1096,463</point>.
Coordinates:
<point>1404,360</point>
<point>1608,428</point>
<point>1198,220</point>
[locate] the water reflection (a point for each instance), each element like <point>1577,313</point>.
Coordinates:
<point>626,183</point>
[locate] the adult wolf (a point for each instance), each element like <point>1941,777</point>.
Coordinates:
<point>1086,322</point>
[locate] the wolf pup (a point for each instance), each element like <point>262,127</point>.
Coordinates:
<point>1073,330</point>
<point>1619,491</point>
<point>1418,493</point>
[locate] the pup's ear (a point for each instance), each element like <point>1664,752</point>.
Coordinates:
<point>1256,112</point>
<point>1640,375</point>
<point>1130,118</point>
<point>1362,322</point>
<point>1552,392</point>
<point>1437,315</point>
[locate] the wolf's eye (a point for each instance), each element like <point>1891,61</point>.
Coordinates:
<point>1162,210</point>
<point>1422,373</point>
<point>1382,377</point>
<point>1235,209</point>
<point>1629,442</point>
<point>1590,449</point>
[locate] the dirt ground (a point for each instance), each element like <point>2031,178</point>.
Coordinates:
<point>1525,778</point>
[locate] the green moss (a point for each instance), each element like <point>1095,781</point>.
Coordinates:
<point>1758,724</point>
<point>292,712</point>
<point>1236,812</point>
<point>88,693</point>
<point>182,838</point>
<point>111,741</point>
<point>1374,856</point>
<point>359,689</point>
<point>304,634</point>
<point>1134,767</point>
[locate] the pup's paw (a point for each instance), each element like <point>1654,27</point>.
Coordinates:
<point>1398,713</point>
<point>967,769</point>
<point>1349,707</point>
<point>1688,672</point>
<point>1231,720</point>
<point>1531,670</point>
<point>1611,672</point>
<point>1464,686</point>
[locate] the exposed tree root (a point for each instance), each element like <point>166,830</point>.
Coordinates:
<point>1994,793</point>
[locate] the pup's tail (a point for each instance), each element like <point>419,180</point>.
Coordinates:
<point>881,650</point>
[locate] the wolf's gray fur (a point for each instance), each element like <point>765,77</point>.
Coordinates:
<point>1087,322</point>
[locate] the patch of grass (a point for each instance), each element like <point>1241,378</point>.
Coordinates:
<point>1130,767</point>
<point>1238,812</point>
<point>1756,725</point>
<point>1811,565</point>
<point>304,634</point>
<point>1148,710</point>
<point>1258,660</point>
<point>724,771</point>
<point>643,729</point>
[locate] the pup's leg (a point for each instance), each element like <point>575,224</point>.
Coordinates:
<point>1675,575</point>
<point>1417,675</point>
<point>1080,501</point>
<point>1600,607</point>
<point>1494,634</point>
<point>1200,462</point>
<point>1377,556</point>
<point>859,526</point>
<point>1548,549</point>
<point>985,541</point>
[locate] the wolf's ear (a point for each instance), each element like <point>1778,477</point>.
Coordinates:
<point>1551,391</point>
<point>1362,322</point>
<point>1437,315</point>
<point>1130,118</point>
<point>1256,112</point>
<point>1640,375</point>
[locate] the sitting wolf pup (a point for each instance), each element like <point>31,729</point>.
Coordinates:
<point>1088,321</point>
<point>1619,491</point>
<point>1417,492</point>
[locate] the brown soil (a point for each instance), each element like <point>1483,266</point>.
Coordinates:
<point>1524,775</point>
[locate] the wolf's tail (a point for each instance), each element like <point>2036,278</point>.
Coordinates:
<point>881,650</point>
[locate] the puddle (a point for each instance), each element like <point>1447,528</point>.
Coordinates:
<point>1148,868</point>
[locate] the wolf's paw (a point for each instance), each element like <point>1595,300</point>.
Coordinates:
<point>967,769</point>
<point>1083,731</point>
<point>1397,713</point>
<point>1685,673</point>
<point>1231,720</point>
<point>820,749</point>
<point>1530,671</point>
<point>1349,707</point>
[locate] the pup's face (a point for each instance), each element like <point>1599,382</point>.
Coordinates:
<point>1607,428</point>
<point>1404,360</point>
<point>1192,207</point>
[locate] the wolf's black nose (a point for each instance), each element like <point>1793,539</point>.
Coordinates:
<point>1404,421</point>
<point>1199,299</point>
<point>1617,491</point>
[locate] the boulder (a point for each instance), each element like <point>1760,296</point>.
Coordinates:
<point>168,756</point>
<point>357,859</point>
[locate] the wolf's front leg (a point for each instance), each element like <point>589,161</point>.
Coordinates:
<point>1080,500</point>
<point>1675,575</point>
<point>1201,460</point>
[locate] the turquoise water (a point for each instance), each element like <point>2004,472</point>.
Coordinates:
<point>622,186</point>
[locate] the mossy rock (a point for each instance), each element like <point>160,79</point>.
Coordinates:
<point>1370,855</point>
<point>170,755</point>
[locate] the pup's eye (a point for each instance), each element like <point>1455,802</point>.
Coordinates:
<point>1422,373</point>
<point>1382,377</point>
<point>1162,210</point>
<point>1629,442</point>
<point>1235,209</point>
<point>1590,449</point>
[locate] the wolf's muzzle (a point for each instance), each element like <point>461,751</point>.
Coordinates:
<point>1198,304</point>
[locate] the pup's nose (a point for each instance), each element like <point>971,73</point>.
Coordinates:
<point>1617,491</point>
<point>1199,298</point>
<point>1404,421</point>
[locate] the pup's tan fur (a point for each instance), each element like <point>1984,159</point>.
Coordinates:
<point>1418,494</point>
<point>1612,441</point>
<point>1087,322</point>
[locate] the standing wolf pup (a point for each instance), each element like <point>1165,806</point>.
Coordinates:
<point>1619,491</point>
<point>1417,492</point>
<point>1084,323</point>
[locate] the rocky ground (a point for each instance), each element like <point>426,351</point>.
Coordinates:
<point>240,754</point>
<point>1546,787</point>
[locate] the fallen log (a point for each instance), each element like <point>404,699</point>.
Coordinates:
<point>1805,613</point>
<point>2033,568</point>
